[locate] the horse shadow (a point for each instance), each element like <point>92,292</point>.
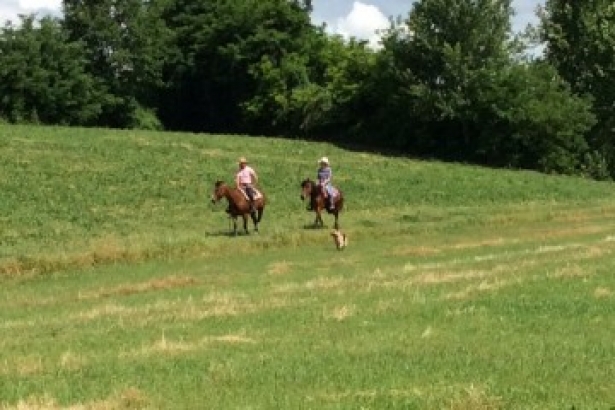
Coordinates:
<point>314,227</point>
<point>224,233</point>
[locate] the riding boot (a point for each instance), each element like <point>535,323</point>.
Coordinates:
<point>329,203</point>
<point>252,207</point>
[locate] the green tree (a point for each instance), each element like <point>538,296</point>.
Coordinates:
<point>441,56</point>
<point>43,76</point>
<point>126,43</point>
<point>580,43</point>
<point>319,92</point>
<point>530,119</point>
<point>236,61</point>
<point>451,86</point>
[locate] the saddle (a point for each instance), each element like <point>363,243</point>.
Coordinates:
<point>257,194</point>
<point>334,192</point>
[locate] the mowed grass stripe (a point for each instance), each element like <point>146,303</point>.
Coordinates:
<point>477,323</point>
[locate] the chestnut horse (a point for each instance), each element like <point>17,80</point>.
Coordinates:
<point>239,205</point>
<point>311,190</point>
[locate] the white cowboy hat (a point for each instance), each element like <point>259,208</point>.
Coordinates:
<point>325,160</point>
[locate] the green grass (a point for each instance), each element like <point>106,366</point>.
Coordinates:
<point>81,197</point>
<point>468,288</point>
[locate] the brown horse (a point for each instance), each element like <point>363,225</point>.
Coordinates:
<point>239,205</point>
<point>311,190</point>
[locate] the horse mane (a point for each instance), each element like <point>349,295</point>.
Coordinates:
<point>219,183</point>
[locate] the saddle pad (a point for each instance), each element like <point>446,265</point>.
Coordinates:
<point>257,194</point>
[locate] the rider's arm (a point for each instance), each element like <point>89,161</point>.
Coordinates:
<point>237,184</point>
<point>254,177</point>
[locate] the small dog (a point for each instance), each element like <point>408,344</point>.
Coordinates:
<point>340,239</point>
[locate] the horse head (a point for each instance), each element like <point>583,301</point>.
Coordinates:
<point>307,185</point>
<point>219,188</point>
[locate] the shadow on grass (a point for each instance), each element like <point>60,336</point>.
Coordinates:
<point>229,234</point>
<point>312,227</point>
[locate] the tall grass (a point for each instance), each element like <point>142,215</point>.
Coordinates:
<point>80,197</point>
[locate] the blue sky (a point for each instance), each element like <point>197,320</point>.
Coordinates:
<point>361,18</point>
<point>358,18</point>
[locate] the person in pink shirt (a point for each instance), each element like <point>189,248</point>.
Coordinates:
<point>245,179</point>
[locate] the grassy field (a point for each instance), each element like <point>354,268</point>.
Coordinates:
<point>462,287</point>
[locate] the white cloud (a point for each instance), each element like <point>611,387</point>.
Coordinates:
<point>525,13</point>
<point>40,4</point>
<point>363,22</point>
<point>10,9</point>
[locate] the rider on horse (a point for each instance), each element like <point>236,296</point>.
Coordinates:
<point>245,179</point>
<point>324,176</point>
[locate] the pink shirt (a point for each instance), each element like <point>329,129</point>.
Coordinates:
<point>245,175</point>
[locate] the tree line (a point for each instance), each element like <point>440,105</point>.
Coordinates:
<point>451,80</point>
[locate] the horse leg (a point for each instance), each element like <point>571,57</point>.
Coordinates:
<point>318,221</point>
<point>235,226</point>
<point>336,225</point>
<point>245,223</point>
<point>261,210</point>
<point>254,221</point>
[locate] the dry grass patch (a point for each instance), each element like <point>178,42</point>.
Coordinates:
<point>603,293</point>
<point>474,398</point>
<point>163,346</point>
<point>490,242</point>
<point>409,250</point>
<point>427,251</point>
<point>571,270</point>
<point>435,278</point>
<point>22,366</point>
<point>340,313</point>
<point>189,310</point>
<point>472,290</point>
<point>339,397</point>
<point>131,398</point>
<point>167,283</point>
<point>560,232</point>
<point>321,283</point>
<point>72,361</point>
<point>168,347</point>
<point>106,310</point>
<point>389,305</point>
<point>279,268</point>
<point>595,251</point>
<point>427,333</point>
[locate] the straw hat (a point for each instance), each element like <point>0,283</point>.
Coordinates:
<point>325,160</point>
<point>243,160</point>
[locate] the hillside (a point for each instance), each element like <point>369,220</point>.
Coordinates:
<point>78,197</point>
